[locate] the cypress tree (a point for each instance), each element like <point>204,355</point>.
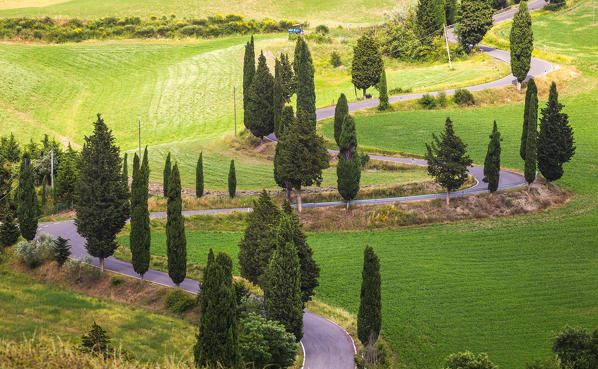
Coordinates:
<point>66,179</point>
<point>217,340</point>
<point>531,139</point>
<point>259,118</point>
<point>447,159</point>
<point>287,77</point>
<point>140,234</point>
<point>10,149</point>
<point>44,194</point>
<point>492,162</point>
<point>62,250</point>
<point>288,119</point>
<point>27,206</point>
<point>383,90</point>
<point>199,176</point>
<point>367,63</point>
<point>248,72</point>
<point>556,145</point>
<point>232,180</point>
<point>259,239</point>
<point>369,317</point>
<point>304,74</point>
<point>532,91</point>
<point>282,294</point>
<point>277,98</point>
<point>9,232</point>
<point>451,11</point>
<point>430,17</point>
<point>166,175</point>
<point>348,169</point>
<point>475,20</point>
<point>176,242</point>
<point>125,171</point>
<point>301,156</point>
<point>101,199</point>
<point>522,43</point>
<point>341,110</point>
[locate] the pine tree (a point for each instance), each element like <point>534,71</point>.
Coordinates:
<point>448,160</point>
<point>259,239</point>
<point>9,149</point>
<point>531,137</point>
<point>62,250</point>
<point>9,231</point>
<point>301,156</point>
<point>341,110</point>
<point>556,145</point>
<point>139,236</point>
<point>125,171</point>
<point>304,74</point>
<point>259,111</point>
<point>282,294</point>
<point>232,180</point>
<point>277,97</point>
<point>451,11</point>
<point>166,175</point>
<point>27,205</point>
<point>522,43</point>
<point>369,317</point>
<point>348,169</point>
<point>199,176</point>
<point>101,199</point>
<point>176,241</point>
<point>492,162</point>
<point>532,92</point>
<point>383,90</point>
<point>248,72</point>
<point>66,179</point>
<point>430,17</point>
<point>367,63</point>
<point>475,20</point>
<point>96,341</point>
<point>287,77</point>
<point>217,340</point>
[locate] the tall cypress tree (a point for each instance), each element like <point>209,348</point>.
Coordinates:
<point>532,91</point>
<point>259,118</point>
<point>66,179</point>
<point>101,199</point>
<point>367,63</point>
<point>125,171</point>
<point>176,241</point>
<point>248,72</point>
<point>166,175</point>
<point>369,317</point>
<point>447,159</point>
<point>27,205</point>
<point>304,74</point>
<point>44,193</point>
<point>556,145</point>
<point>9,232</point>
<point>522,43</point>
<point>430,17</point>
<point>259,239</point>
<point>277,97</point>
<point>217,340</point>
<point>199,176</point>
<point>451,11</point>
<point>531,139</point>
<point>348,169</point>
<point>492,161</point>
<point>232,180</point>
<point>140,233</point>
<point>341,110</point>
<point>282,294</point>
<point>287,77</point>
<point>383,90</point>
<point>288,119</point>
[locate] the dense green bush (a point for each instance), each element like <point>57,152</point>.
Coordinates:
<point>441,99</point>
<point>463,97</point>
<point>427,101</point>
<point>179,301</point>
<point>265,343</point>
<point>468,360</point>
<point>322,29</point>
<point>335,59</point>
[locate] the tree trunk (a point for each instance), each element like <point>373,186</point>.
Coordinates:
<point>518,85</point>
<point>142,280</point>
<point>102,265</point>
<point>178,285</point>
<point>288,188</point>
<point>364,93</point>
<point>347,205</point>
<point>448,197</point>
<point>299,207</point>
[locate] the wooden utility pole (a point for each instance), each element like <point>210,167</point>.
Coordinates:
<point>139,127</point>
<point>448,52</point>
<point>235,108</point>
<point>52,168</point>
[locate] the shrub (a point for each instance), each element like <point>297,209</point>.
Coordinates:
<point>427,101</point>
<point>441,99</point>
<point>322,29</point>
<point>34,253</point>
<point>146,31</point>
<point>265,343</point>
<point>335,59</point>
<point>550,364</point>
<point>129,28</point>
<point>75,266</point>
<point>115,280</point>
<point>363,159</point>
<point>463,97</point>
<point>188,30</point>
<point>467,360</point>
<point>96,341</point>
<point>179,301</point>
<point>390,215</point>
<point>399,90</point>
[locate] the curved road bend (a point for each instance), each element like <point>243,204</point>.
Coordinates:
<point>326,345</point>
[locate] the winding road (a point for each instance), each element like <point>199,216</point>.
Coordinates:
<point>325,344</point>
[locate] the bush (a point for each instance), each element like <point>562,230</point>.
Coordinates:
<point>550,364</point>
<point>115,280</point>
<point>148,31</point>
<point>34,253</point>
<point>189,30</point>
<point>75,267</point>
<point>399,90</point>
<point>427,101</point>
<point>322,29</point>
<point>467,360</point>
<point>363,159</point>
<point>335,59</point>
<point>179,301</point>
<point>441,99</point>
<point>463,97</point>
<point>265,343</point>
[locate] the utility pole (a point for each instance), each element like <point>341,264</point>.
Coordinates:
<point>52,168</point>
<point>448,52</point>
<point>139,127</point>
<point>235,108</point>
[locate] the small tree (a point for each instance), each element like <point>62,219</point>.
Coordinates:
<point>166,175</point>
<point>248,71</point>
<point>451,11</point>
<point>27,205</point>
<point>430,17</point>
<point>348,169</point>
<point>448,160</point>
<point>304,74</point>
<point>531,137</point>
<point>62,250</point>
<point>367,63</point>
<point>522,43</point>
<point>556,145</point>
<point>96,341</point>
<point>199,177</point>
<point>176,241</point>
<point>468,360</point>
<point>492,162</point>
<point>259,118</point>
<point>232,180</point>
<point>531,94</point>
<point>341,110</point>
<point>475,20</point>
<point>369,317</point>
<point>383,90</point>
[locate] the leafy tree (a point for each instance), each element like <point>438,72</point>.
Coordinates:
<point>199,176</point>
<point>140,231</point>
<point>468,360</point>
<point>101,199</point>
<point>283,290</point>
<point>232,180</point>
<point>369,317</point>
<point>576,348</point>
<point>367,63</point>
<point>450,10</point>
<point>556,145</point>
<point>301,156</point>
<point>96,341</point>
<point>265,343</point>
<point>287,77</point>
<point>531,94</point>
<point>62,250</point>
<point>217,340</point>
<point>176,241</point>
<point>304,74</point>
<point>166,175</point>
<point>348,169</point>
<point>341,110</point>
<point>9,149</point>
<point>522,43</point>
<point>430,15</point>
<point>27,205</point>
<point>383,90</point>
<point>475,20</point>
<point>277,97</point>
<point>248,72</point>
<point>259,239</point>
<point>448,160</point>
<point>66,178</point>
<point>259,118</point>
<point>492,162</point>
<point>531,136</point>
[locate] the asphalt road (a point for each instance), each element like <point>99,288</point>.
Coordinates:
<point>325,344</point>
